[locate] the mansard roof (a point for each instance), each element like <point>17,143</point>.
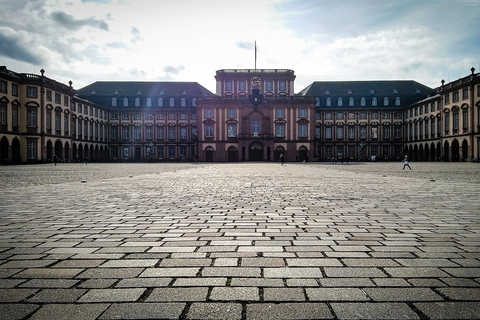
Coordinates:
<point>367,88</point>
<point>143,88</point>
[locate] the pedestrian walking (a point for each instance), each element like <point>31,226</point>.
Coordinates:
<point>282,158</point>
<point>405,163</point>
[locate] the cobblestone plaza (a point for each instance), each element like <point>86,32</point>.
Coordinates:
<point>240,241</point>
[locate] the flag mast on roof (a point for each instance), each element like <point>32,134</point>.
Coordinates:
<point>255,55</point>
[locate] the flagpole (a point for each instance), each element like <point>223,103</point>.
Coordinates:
<point>255,55</point>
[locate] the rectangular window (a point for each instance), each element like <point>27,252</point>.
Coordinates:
<point>148,116</point>
<point>465,119</point>
<point>363,132</point>
<point>280,113</point>
<point>114,132</point>
<point>386,115</point>
<point>386,151</point>
<point>386,132</point>
<point>455,96</point>
<point>183,116</point>
<point>339,132</point>
<point>48,123</point>
<point>228,85</point>
<point>3,114</point>
<point>15,116</point>
<point>58,98</point>
<point>302,131</point>
<point>31,92</point>
<point>280,130</point>
<point>374,115</point>
<point>183,133</point>
<point>208,113</point>
<point>351,115</point>
<point>256,127</point>
<point>447,122</point>
<point>447,98</point>
<point>317,133</point>
<point>208,131</point>
<point>328,116</point>
<point>351,132</point>
<point>242,85</point>
<point>160,133</point>
<point>125,116</point>
<point>160,152</point>
<point>171,133</point>
<point>363,115</point>
<point>3,86</point>
<point>32,118</point>
<point>159,116</point>
<point>114,116</point>
<point>171,151</point>
<point>48,95</point>
<point>339,115</point>
<point>137,116</point>
<point>328,132</point>
<point>232,130</point>
<point>282,85</point>
<point>32,150</point>
<point>302,113</point>
<point>455,121</point>
<point>269,85</point>
<point>398,132</point>
<point>58,123</point>
<point>137,133</point>
<point>65,100</point>
<point>374,132</point>
<point>232,113</point>
<point>65,123</point>
<point>126,133</point>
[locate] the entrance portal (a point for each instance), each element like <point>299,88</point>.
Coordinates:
<point>256,151</point>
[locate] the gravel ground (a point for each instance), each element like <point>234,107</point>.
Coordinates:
<point>44,174</point>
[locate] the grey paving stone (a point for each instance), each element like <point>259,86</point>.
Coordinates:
<point>463,294</point>
<point>10,283</point>
<point>56,295</point>
<point>97,283</point>
<point>110,273</point>
<point>288,311</point>
<point>143,311</point>
<point>127,263</point>
<point>169,272</point>
<point>366,311</point>
<point>234,293</point>
<point>15,295</point>
<point>336,294</point>
<point>283,294</point>
<point>215,311</point>
<point>349,272</point>
<point>231,272</point>
<point>111,295</point>
<point>69,311</point>
<point>449,310</point>
<point>463,272</point>
<point>200,282</point>
<point>16,311</point>
<point>403,294</point>
<point>49,283</point>
<point>413,272</point>
<point>178,294</point>
<point>50,273</point>
<point>288,272</point>
<point>185,262</point>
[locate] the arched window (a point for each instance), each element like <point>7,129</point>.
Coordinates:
<point>374,102</point>
<point>137,102</point>
<point>125,102</point>
<point>114,102</point>
<point>183,102</point>
<point>397,101</point>
<point>362,102</point>
<point>160,102</point>
<point>385,101</point>
<point>351,102</point>
<point>149,102</point>
<point>340,102</point>
<point>172,102</point>
<point>329,102</point>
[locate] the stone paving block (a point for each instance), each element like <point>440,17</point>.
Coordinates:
<point>49,273</point>
<point>143,282</point>
<point>288,311</point>
<point>256,282</point>
<point>178,294</point>
<point>49,283</point>
<point>370,262</point>
<point>235,293</point>
<point>391,282</point>
<point>78,263</point>
<point>449,310</point>
<point>413,272</point>
<point>349,272</point>
<point>225,262</point>
<point>215,311</point>
<point>110,273</point>
<point>15,295</point>
<point>70,311</point>
<point>288,272</point>
<point>460,282</point>
<point>16,311</point>
<point>403,294</point>
<point>97,283</point>
<point>464,294</point>
<point>56,295</point>
<point>262,262</point>
<point>143,311</point>
<point>169,272</point>
<point>463,272</point>
<point>302,283</point>
<point>313,262</point>
<point>24,264</point>
<point>127,263</point>
<point>426,263</point>
<point>199,282</point>
<point>336,294</point>
<point>364,311</point>
<point>346,282</point>
<point>111,295</point>
<point>231,272</point>
<point>283,294</point>
<point>185,262</point>
<point>10,283</point>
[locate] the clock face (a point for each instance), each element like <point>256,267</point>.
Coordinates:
<point>255,82</point>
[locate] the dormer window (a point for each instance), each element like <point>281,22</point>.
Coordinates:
<point>385,101</point>
<point>282,85</point>
<point>374,101</point>
<point>137,102</point>
<point>228,85</point>
<point>183,102</point>
<point>149,102</point>
<point>397,101</point>
<point>329,102</point>
<point>363,102</point>
<point>269,85</point>
<point>125,102</point>
<point>242,85</point>
<point>160,102</point>
<point>114,102</point>
<point>172,102</point>
<point>351,102</point>
<point>194,102</point>
<point>340,102</point>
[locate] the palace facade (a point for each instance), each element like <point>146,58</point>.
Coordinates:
<point>254,115</point>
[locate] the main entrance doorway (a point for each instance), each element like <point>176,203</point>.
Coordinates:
<point>256,151</point>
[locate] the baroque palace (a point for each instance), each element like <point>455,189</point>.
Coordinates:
<point>255,115</point>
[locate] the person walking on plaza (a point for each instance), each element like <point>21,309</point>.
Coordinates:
<point>405,163</point>
<point>282,158</point>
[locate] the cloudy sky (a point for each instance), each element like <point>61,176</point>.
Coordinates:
<point>188,40</point>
